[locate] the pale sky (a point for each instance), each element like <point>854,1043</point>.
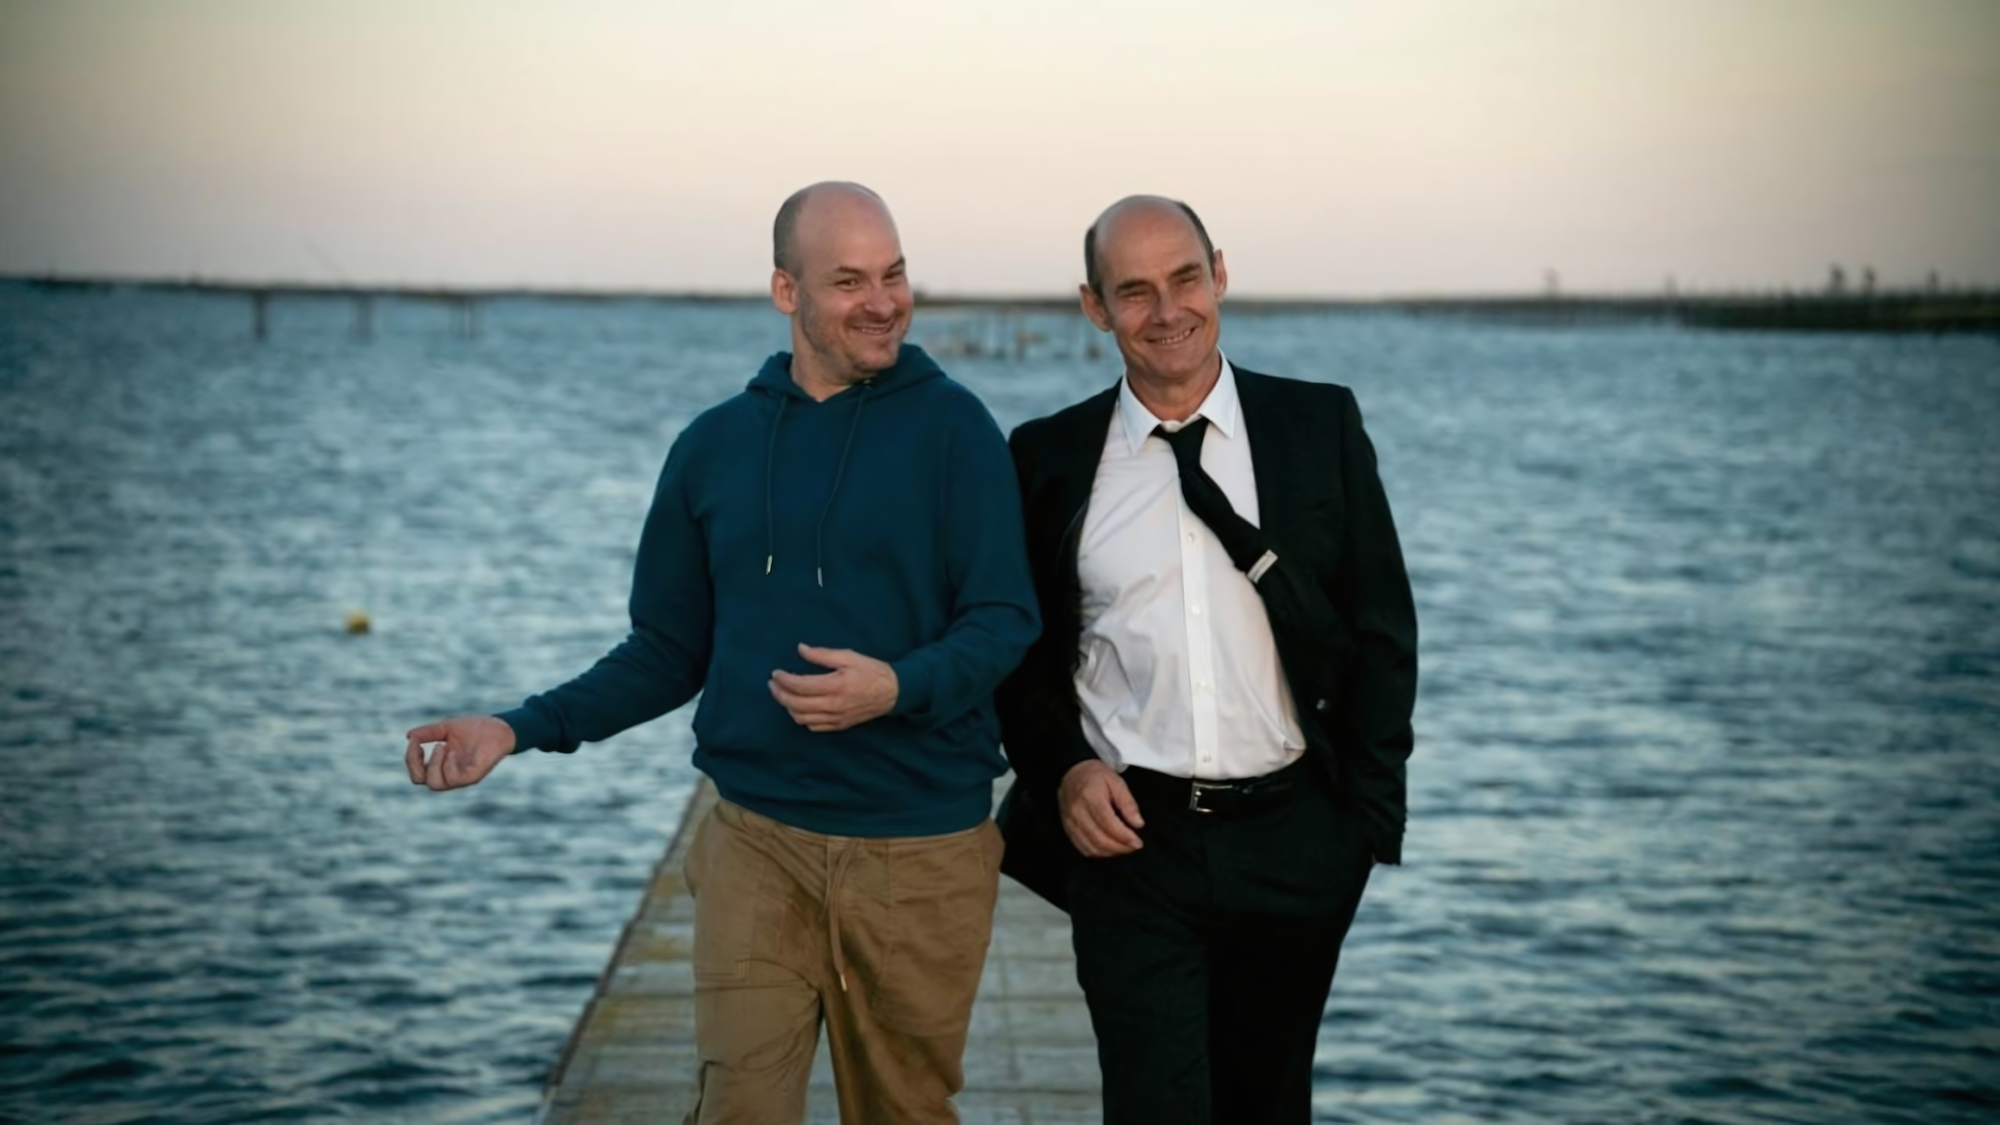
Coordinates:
<point>1414,146</point>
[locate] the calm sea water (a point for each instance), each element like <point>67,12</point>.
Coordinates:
<point>1706,808</point>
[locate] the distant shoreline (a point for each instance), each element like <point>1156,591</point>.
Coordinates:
<point>1883,311</point>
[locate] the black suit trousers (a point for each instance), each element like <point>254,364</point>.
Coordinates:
<point>1206,957</point>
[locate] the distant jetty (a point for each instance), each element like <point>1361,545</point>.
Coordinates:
<point>1927,312</point>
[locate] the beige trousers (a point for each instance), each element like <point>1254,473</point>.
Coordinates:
<point>883,940</point>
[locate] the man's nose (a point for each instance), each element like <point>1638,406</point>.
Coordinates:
<point>881,301</point>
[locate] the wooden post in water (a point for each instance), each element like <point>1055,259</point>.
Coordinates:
<point>260,320</point>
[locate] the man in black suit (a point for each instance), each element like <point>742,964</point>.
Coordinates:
<point>1210,735</point>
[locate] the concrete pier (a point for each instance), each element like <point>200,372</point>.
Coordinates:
<point>1031,1059</point>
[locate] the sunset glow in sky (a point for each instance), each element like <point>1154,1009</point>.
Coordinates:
<point>1334,148</point>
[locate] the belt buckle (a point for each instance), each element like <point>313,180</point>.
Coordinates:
<point>1195,791</point>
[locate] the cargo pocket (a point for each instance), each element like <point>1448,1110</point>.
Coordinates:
<point>939,926</point>
<point>736,906</point>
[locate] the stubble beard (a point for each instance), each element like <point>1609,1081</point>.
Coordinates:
<point>836,362</point>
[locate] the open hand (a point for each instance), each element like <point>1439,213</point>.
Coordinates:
<point>469,746</point>
<point>1098,812</point>
<point>858,689</point>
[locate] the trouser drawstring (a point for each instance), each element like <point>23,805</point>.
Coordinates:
<point>836,876</point>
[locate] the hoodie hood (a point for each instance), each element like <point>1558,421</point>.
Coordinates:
<point>913,366</point>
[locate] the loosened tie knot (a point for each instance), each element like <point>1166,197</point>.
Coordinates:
<point>1206,499</point>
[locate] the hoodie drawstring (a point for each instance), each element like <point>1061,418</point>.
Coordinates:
<point>771,487</point>
<point>819,559</point>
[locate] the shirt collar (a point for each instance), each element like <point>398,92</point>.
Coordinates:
<point>1220,408</point>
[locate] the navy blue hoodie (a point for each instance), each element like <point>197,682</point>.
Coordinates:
<point>886,520</point>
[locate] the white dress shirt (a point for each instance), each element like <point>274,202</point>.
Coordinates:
<point>1179,671</point>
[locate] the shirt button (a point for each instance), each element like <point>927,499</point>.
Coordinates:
<point>1319,705</point>
<point>1191,537</point>
<point>1197,611</point>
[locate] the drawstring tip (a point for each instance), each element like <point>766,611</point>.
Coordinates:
<point>767,563</point>
<point>821,575</point>
<point>843,982</point>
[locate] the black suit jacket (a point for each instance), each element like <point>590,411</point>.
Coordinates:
<point>1352,667</point>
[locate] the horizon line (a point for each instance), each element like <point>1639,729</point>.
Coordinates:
<point>697,294</point>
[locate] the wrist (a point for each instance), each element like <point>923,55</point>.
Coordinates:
<point>1083,768</point>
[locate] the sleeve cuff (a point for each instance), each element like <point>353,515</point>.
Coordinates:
<point>913,686</point>
<point>1073,753</point>
<point>531,731</point>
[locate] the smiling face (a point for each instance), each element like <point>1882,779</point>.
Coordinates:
<point>1160,296</point>
<point>847,290</point>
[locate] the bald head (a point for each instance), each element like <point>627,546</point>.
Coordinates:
<point>813,202</point>
<point>1129,207</point>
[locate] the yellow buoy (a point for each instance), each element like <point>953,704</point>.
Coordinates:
<point>357,623</point>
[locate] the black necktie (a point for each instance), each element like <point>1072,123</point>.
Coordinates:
<point>1302,620</point>
<point>1238,536</point>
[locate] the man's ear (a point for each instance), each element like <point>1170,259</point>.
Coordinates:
<point>784,292</point>
<point>1093,308</point>
<point>1221,276</point>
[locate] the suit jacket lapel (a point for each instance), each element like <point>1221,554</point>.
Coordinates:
<point>1075,453</point>
<point>1274,449</point>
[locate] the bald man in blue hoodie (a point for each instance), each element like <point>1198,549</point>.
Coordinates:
<point>834,562</point>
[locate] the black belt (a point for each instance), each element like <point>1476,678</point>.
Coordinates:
<point>1234,797</point>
